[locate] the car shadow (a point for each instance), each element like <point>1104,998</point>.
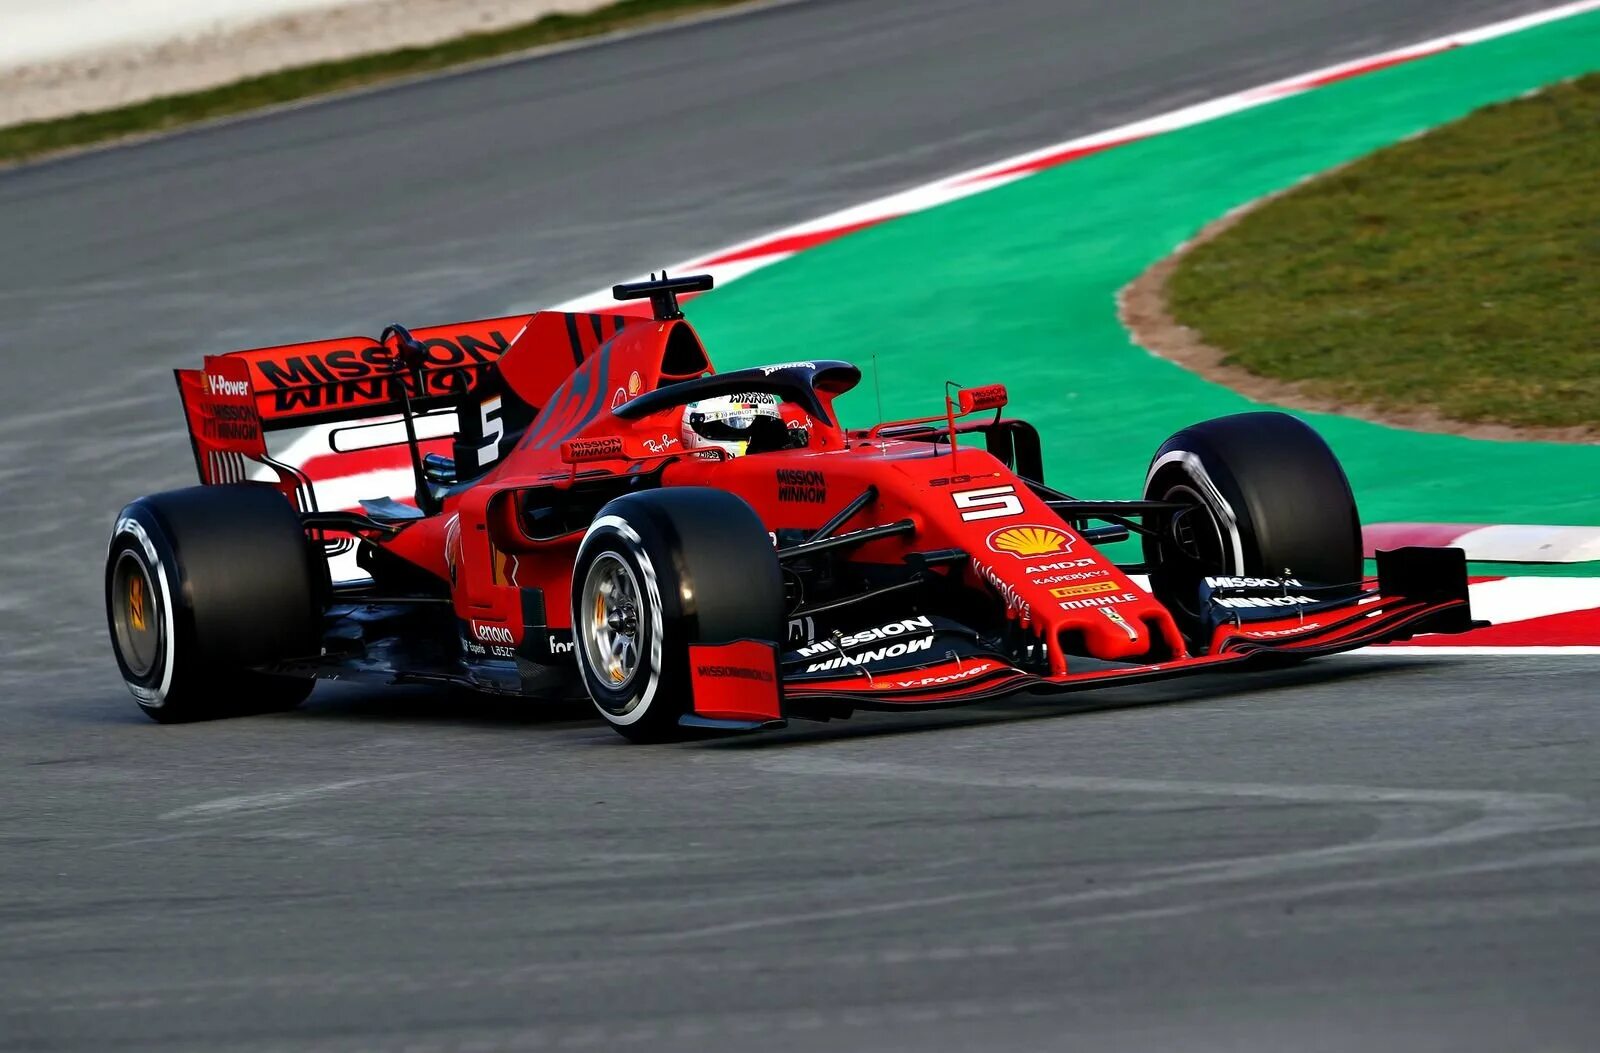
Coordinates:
<point>367,703</point>
<point>426,704</point>
<point>352,703</point>
<point>1202,688</point>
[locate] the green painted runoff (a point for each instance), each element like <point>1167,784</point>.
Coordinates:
<point>1018,285</point>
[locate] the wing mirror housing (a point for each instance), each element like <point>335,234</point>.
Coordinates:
<point>987,397</point>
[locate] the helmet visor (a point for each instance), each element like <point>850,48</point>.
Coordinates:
<point>732,427</point>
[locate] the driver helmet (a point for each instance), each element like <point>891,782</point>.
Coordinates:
<point>731,423</point>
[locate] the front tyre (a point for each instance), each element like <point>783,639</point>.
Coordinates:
<point>656,572</point>
<point>202,586</point>
<point>1270,500</point>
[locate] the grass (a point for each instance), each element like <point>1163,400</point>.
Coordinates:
<point>1457,272</point>
<point>20,142</point>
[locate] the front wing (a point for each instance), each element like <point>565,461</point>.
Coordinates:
<point>1417,590</point>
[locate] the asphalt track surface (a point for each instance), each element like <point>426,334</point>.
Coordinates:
<point>1361,853</point>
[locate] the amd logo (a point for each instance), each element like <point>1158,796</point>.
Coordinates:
<point>1060,564</point>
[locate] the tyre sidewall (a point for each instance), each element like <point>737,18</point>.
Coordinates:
<point>708,574</point>
<point>138,534</point>
<point>643,701</point>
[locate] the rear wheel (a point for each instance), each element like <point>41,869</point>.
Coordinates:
<point>658,571</point>
<point>202,586</point>
<point>1269,500</point>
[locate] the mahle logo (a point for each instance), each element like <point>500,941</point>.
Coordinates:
<point>1025,542</point>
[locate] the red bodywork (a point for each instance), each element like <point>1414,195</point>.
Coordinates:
<point>575,372</point>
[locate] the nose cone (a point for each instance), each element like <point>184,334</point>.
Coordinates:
<point>1111,615</point>
<point>1112,634</point>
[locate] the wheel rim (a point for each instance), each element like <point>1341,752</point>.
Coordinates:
<point>610,613</point>
<point>1199,540</point>
<point>134,617</point>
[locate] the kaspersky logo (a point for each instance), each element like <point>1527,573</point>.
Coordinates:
<point>1026,542</point>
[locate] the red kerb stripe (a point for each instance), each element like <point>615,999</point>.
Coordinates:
<point>793,243</point>
<point>1399,535</point>
<point>1571,629</point>
<point>1061,157</point>
<point>1364,68</point>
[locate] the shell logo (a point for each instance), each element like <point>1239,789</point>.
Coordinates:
<point>635,382</point>
<point>1025,542</point>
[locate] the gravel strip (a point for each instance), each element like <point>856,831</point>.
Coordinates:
<point>133,73</point>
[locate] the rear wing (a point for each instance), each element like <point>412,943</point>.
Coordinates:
<point>348,378</point>
<point>321,420</point>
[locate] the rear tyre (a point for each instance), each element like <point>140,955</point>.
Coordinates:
<point>203,585</point>
<point>658,571</point>
<point>1270,501</point>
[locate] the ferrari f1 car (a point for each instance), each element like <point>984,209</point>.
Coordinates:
<point>586,507</point>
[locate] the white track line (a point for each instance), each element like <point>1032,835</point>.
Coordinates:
<point>1479,652</point>
<point>1523,599</point>
<point>1523,542</point>
<point>756,253</point>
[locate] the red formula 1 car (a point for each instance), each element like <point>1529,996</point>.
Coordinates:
<point>589,509</point>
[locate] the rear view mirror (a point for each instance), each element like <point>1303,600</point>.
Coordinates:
<point>989,396</point>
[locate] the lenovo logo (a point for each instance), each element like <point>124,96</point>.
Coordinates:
<point>497,634</point>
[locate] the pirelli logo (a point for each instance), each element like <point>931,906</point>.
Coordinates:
<point>1092,589</point>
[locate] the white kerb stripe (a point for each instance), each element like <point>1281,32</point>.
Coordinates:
<point>1527,543</point>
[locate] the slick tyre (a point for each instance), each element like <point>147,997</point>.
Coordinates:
<point>1270,501</point>
<point>202,586</point>
<point>656,572</point>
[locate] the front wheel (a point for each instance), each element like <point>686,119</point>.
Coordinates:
<point>1269,500</point>
<point>656,572</point>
